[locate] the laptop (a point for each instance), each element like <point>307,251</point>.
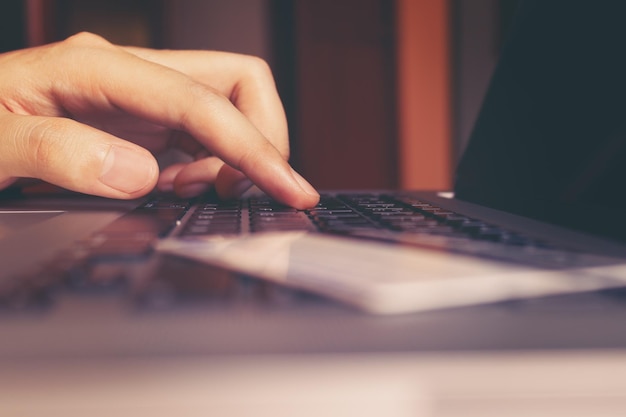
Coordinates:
<point>526,253</point>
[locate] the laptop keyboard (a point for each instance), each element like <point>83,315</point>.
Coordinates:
<point>102,262</point>
<point>341,214</point>
<point>401,219</point>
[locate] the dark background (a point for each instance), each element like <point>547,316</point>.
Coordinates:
<point>334,63</point>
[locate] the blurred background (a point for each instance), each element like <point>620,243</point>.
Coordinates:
<point>378,93</point>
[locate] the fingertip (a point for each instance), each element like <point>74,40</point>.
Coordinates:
<point>300,194</point>
<point>167,178</point>
<point>192,190</point>
<point>297,198</point>
<point>305,185</point>
<point>303,201</point>
<point>279,181</point>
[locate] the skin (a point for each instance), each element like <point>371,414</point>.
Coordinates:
<point>89,116</point>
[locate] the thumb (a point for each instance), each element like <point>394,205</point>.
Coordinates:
<point>74,156</point>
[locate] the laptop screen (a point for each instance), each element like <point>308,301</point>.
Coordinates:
<point>550,139</point>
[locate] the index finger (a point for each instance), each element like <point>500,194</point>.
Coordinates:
<point>246,80</point>
<point>114,77</point>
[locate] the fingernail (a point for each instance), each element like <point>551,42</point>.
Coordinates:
<point>304,184</point>
<point>127,170</point>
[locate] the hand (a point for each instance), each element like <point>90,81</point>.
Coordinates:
<point>88,116</point>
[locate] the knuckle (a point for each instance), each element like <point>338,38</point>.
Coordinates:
<point>259,75</point>
<point>258,64</point>
<point>258,69</point>
<point>43,148</point>
<point>79,48</point>
<point>44,140</point>
<point>86,39</point>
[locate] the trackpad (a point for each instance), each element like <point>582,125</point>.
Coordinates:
<point>14,220</point>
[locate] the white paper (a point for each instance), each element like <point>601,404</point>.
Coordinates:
<point>386,278</point>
